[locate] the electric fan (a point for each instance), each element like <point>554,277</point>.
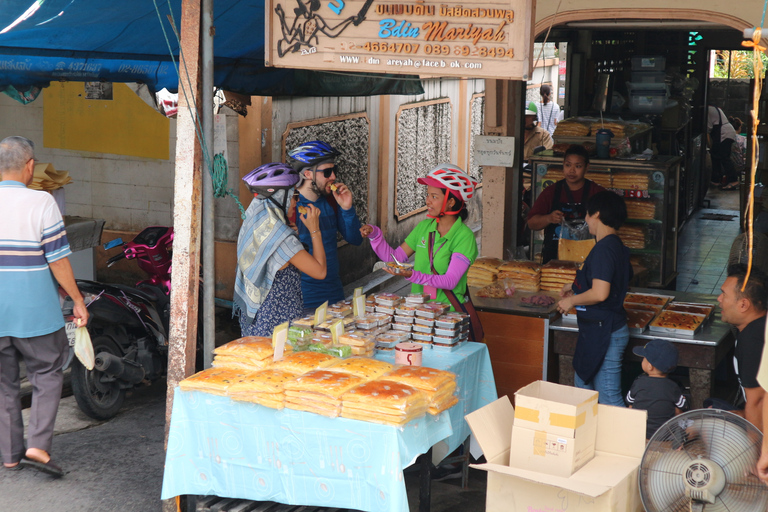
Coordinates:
<point>703,460</point>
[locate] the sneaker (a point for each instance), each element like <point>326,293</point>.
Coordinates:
<point>441,473</point>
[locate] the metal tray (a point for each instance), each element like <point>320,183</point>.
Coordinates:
<point>677,332</point>
<point>632,296</point>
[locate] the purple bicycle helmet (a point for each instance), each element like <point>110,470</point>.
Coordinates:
<point>267,179</point>
<point>312,153</point>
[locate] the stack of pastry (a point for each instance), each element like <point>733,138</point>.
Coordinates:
<point>438,385</point>
<point>302,362</point>
<point>526,275</point>
<point>640,209</point>
<point>630,181</point>
<point>603,179</point>
<point>557,273</point>
<point>618,128</point>
<point>215,381</point>
<point>384,401</point>
<point>483,271</point>
<point>361,343</point>
<point>320,391</point>
<point>266,387</point>
<point>249,353</point>
<point>365,367</point>
<point>572,128</point>
<point>632,236</point>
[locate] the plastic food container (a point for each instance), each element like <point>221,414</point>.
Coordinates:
<point>416,298</point>
<point>429,322</point>
<point>367,322</point>
<point>381,318</point>
<point>446,348</point>
<point>403,310</point>
<point>445,340</point>
<point>422,329</point>
<point>447,332</point>
<point>386,310</point>
<point>446,322</point>
<point>426,312</point>
<point>403,319</point>
<point>402,327</point>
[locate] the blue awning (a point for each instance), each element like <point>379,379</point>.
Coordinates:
<point>128,41</point>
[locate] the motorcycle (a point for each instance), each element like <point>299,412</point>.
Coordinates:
<point>129,326</point>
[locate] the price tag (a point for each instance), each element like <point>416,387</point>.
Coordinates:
<point>279,337</point>
<point>320,313</point>
<point>358,291</point>
<point>358,306</point>
<point>337,329</point>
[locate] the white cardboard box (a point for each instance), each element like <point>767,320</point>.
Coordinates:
<point>554,429</point>
<point>607,483</point>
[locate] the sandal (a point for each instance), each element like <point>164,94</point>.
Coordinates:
<point>730,186</point>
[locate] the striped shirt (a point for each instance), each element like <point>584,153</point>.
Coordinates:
<point>32,234</point>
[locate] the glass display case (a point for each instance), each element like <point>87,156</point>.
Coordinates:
<point>651,190</point>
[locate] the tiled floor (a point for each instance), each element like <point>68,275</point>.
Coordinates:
<point>703,249</point>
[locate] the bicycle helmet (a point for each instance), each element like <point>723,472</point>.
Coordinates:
<point>267,179</point>
<point>312,153</point>
<point>451,178</point>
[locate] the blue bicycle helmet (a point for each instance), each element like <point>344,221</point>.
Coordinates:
<point>312,153</point>
<point>267,179</point>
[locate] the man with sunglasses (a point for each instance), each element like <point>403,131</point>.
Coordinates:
<point>316,162</point>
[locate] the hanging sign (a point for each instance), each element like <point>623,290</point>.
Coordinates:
<point>490,39</point>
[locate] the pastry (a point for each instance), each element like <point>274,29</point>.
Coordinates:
<point>269,381</point>
<point>361,366</point>
<point>213,380</point>
<point>677,320</point>
<point>254,347</point>
<point>302,362</point>
<point>322,383</point>
<point>643,298</point>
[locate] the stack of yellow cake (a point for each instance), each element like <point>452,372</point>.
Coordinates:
<point>249,353</point>
<point>364,367</point>
<point>557,273</point>
<point>265,387</point>
<point>640,209</point>
<point>384,401</point>
<point>215,381</point>
<point>526,275</point>
<point>632,236</point>
<point>302,362</point>
<point>319,391</point>
<point>437,385</point>
<point>483,271</point>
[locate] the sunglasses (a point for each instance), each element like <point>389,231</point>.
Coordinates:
<point>330,170</point>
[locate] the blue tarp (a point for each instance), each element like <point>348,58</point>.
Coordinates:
<point>123,41</point>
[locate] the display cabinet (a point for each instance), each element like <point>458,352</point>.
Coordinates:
<point>651,190</point>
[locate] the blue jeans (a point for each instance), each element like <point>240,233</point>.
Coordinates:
<point>607,381</point>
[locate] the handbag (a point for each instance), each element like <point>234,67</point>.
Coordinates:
<point>476,332</point>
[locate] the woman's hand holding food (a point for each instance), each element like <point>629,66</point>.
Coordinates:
<point>310,217</point>
<point>366,230</point>
<point>391,268</point>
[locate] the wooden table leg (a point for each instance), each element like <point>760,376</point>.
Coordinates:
<point>701,386</point>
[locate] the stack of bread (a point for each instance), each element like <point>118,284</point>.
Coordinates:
<point>632,236</point>
<point>250,353</point>
<point>483,271</point>
<point>641,209</point>
<point>630,181</point>
<point>320,391</point>
<point>364,367</point>
<point>302,362</point>
<point>525,275</point>
<point>214,381</point>
<point>557,273</point>
<point>572,128</point>
<point>266,387</point>
<point>438,385</point>
<point>384,401</point>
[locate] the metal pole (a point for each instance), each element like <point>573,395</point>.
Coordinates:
<point>206,111</point>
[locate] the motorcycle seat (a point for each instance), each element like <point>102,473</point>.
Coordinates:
<point>144,294</point>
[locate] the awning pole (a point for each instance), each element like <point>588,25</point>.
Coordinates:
<point>209,277</point>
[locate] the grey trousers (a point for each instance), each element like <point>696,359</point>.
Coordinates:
<point>44,357</point>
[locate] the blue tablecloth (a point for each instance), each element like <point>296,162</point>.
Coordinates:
<point>220,447</point>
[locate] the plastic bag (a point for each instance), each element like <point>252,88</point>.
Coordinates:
<point>575,241</point>
<point>84,348</point>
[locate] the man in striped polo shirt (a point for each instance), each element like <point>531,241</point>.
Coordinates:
<point>33,259</point>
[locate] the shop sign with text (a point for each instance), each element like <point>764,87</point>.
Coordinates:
<point>427,38</point>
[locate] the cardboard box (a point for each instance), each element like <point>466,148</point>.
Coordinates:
<point>554,454</point>
<point>607,483</point>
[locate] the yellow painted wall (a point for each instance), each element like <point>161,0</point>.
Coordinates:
<point>124,125</point>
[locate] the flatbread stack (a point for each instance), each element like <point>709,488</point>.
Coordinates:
<point>266,387</point>
<point>526,275</point>
<point>483,271</point>
<point>362,367</point>
<point>251,353</point>
<point>320,391</point>
<point>557,273</point>
<point>572,128</point>
<point>603,179</point>
<point>214,381</point>
<point>632,236</point>
<point>640,209</point>
<point>302,362</point>
<point>630,181</point>
<point>438,385</point>
<point>620,130</point>
<point>384,401</point>
<point>574,250</point>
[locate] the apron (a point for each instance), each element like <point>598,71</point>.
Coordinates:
<point>571,211</point>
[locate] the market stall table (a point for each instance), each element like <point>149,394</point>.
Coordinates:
<point>220,447</point>
<point>700,353</point>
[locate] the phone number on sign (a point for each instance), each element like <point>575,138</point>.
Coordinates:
<point>431,49</point>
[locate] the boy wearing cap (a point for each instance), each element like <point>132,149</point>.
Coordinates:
<point>653,391</point>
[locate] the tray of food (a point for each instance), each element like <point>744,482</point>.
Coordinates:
<point>638,320</point>
<point>644,307</point>
<point>648,298</point>
<point>677,323</point>
<point>692,307</point>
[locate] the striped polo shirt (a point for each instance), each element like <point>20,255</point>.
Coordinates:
<point>32,234</point>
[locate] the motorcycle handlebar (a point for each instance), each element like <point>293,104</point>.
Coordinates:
<point>114,259</point>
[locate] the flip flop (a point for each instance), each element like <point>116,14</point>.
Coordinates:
<point>13,468</point>
<point>46,467</point>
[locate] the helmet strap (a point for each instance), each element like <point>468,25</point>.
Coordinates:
<point>442,208</point>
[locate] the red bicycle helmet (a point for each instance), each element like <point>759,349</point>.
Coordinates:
<point>450,177</point>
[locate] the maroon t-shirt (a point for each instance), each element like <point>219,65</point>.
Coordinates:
<point>543,204</point>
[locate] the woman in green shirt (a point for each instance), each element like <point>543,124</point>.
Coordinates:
<point>444,246</point>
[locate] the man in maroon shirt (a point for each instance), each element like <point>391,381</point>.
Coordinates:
<point>564,200</point>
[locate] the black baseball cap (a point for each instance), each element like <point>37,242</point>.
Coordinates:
<point>660,353</point>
